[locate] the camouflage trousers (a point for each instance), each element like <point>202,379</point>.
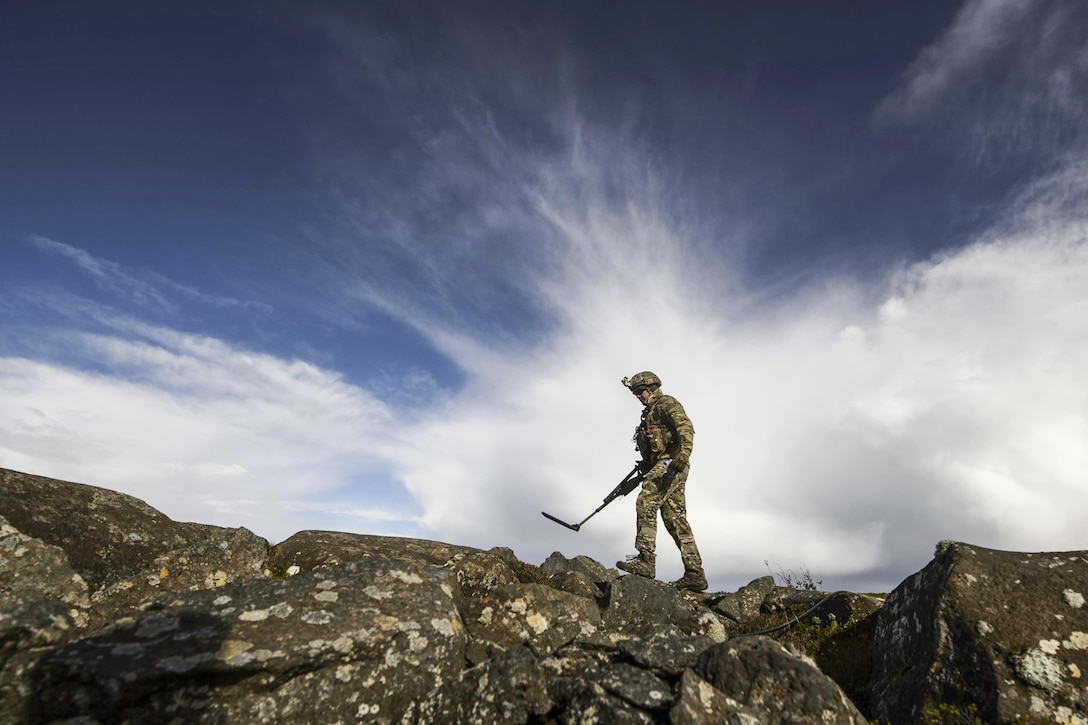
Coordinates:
<point>664,493</point>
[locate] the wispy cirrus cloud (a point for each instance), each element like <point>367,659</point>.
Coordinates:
<point>981,31</point>
<point>108,276</point>
<point>138,287</point>
<point>1008,77</point>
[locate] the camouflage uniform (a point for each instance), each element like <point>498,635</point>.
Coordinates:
<point>664,433</point>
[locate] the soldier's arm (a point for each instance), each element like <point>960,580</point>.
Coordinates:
<point>682,425</point>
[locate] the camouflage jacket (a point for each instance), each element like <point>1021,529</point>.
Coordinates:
<point>665,429</point>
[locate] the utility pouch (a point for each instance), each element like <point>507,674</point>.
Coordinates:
<point>658,438</point>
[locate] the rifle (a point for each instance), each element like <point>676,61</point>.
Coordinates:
<point>629,483</point>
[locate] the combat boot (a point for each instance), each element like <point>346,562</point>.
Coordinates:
<point>693,580</point>
<point>642,565</point>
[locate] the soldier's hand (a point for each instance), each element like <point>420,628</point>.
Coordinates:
<point>679,463</point>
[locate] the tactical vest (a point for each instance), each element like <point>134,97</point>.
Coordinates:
<point>653,436</point>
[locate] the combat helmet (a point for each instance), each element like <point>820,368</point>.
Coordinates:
<point>645,379</point>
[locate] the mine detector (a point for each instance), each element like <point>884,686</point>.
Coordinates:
<point>629,483</point>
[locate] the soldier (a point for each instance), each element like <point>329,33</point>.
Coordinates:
<point>664,437</point>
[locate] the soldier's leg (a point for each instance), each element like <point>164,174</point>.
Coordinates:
<point>674,514</point>
<point>647,506</point>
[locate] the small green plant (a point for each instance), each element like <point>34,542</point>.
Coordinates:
<point>951,715</point>
<point>793,580</point>
<point>529,573</point>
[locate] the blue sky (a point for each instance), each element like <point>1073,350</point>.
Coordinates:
<point>379,267</point>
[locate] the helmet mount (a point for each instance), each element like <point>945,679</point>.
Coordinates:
<point>645,379</point>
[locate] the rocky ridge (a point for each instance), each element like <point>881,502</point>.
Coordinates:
<point>110,612</point>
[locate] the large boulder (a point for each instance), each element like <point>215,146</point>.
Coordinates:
<point>666,654</point>
<point>101,531</point>
<point>1003,632</point>
<point>30,627</point>
<point>43,603</point>
<point>217,557</point>
<point>363,642</point>
<point>30,568</point>
<point>557,563</point>
<point>82,540</point>
<point>576,582</point>
<point>747,603</point>
<point>478,571</point>
<point>764,682</point>
<point>640,606</point>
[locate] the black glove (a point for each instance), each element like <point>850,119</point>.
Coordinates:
<point>679,463</point>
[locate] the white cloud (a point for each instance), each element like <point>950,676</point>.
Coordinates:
<point>183,422</point>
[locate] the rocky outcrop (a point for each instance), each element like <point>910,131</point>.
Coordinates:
<point>178,622</point>
<point>101,531</point>
<point>1002,633</point>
